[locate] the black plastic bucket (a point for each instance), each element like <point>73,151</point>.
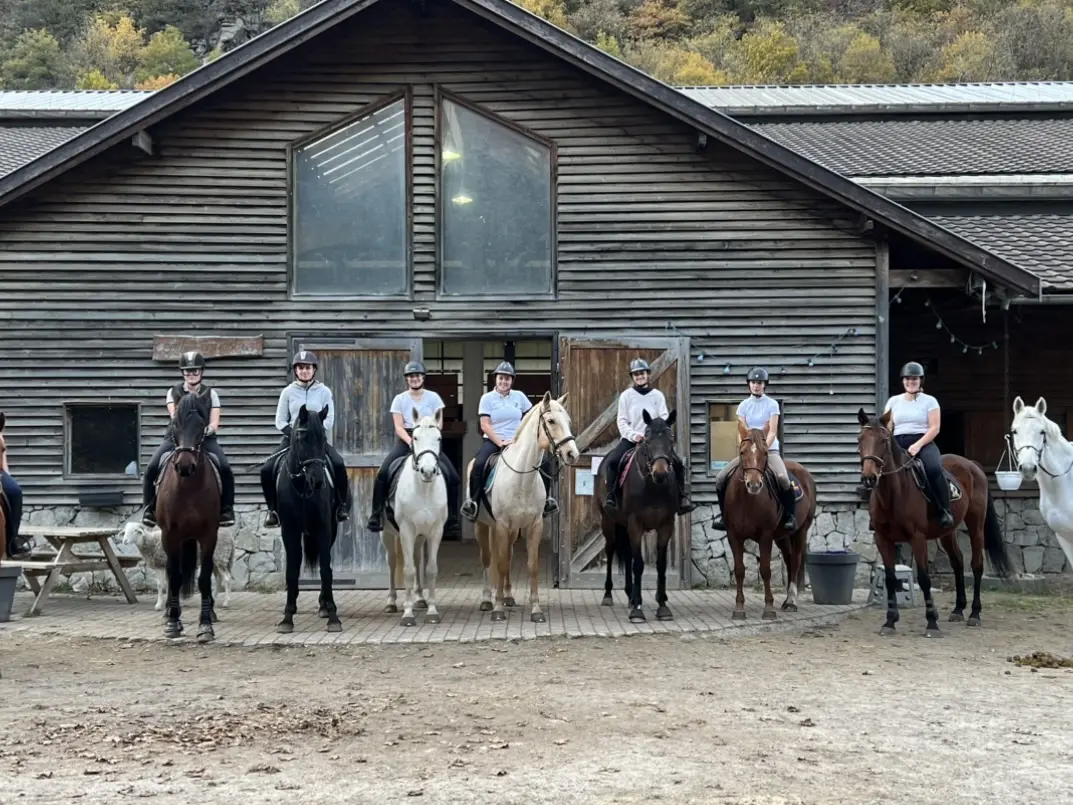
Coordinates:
<point>832,574</point>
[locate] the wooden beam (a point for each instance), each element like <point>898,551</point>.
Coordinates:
<point>170,347</point>
<point>883,280</point>
<point>143,141</point>
<point>929,278</point>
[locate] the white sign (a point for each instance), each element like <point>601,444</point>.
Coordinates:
<point>583,482</point>
<point>596,462</point>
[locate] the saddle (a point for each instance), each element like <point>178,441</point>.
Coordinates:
<point>394,472</point>
<point>920,478</point>
<point>486,483</point>
<point>278,465</point>
<point>212,463</point>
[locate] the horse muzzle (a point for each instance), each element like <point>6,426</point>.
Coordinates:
<point>1029,470</point>
<point>869,481</point>
<point>754,487</point>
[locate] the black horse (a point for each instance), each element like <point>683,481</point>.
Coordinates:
<point>649,503</point>
<point>306,516</point>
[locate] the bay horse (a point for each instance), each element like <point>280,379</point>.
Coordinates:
<point>649,503</point>
<point>756,516</point>
<point>517,499</point>
<point>900,513</point>
<point>418,507</point>
<point>188,514</point>
<point>306,514</point>
<point>1044,455</point>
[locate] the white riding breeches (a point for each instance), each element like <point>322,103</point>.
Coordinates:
<point>774,460</point>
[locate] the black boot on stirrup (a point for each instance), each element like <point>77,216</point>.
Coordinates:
<point>719,521</point>
<point>271,519</point>
<point>149,514</point>
<point>789,519</point>
<point>469,511</point>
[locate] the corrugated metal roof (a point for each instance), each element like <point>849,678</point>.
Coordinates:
<point>885,98</point>
<point>43,103</point>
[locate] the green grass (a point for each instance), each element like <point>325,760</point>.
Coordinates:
<point>1028,602</point>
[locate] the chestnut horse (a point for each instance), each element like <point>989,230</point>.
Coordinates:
<point>188,513</point>
<point>900,513</point>
<point>756,516</point>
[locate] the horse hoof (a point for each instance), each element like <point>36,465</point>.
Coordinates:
<point>335,625</point>
<point>538,617</point>
<point>433,618</point>
<point>205,634</point>
<point>788,607</point>
<point>407,620</point>
<point>739,615</point>
<point>974,620</point>
<point>486,606</point>
<point>173,629</point>
<point>887,630</point>
<point>608,601</point>
<point>390,609</point>
<point>769,615</point>
<point>933,631</point>
<point>285,628</point>
<point>322,612</point>
<point>421,604</point>
<point>956,617</point>
<point>637,616</point>
<point>499,615</point>
<point>664,613</point>
<point>510,602</point>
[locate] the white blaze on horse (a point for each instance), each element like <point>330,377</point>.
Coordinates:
<point>419,513</point>
<point>517,498</point>
<point>1043,455</point>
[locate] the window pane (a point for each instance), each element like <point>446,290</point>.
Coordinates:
<point>350,208</point>
<point>497,196</point>
<point>104,439</point>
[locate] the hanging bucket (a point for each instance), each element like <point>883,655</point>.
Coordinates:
<point>1008,480</point>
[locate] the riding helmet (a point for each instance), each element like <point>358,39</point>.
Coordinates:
<point>505,368</point>
<point>913,369</point>
<point>414,368</point>
<point>191,360</point>
<point>639,365</point>
<point>304,356</point>
<point>757,373</point>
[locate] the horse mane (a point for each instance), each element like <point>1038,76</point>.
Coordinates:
<point>529,415</point>
<point>190,403</point>
<point>757,437</point>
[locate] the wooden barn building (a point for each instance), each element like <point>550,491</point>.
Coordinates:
<point>460,181</point>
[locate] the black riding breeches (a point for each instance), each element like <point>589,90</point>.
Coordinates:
<point>383,479</point>
<point>152,470</point>
<point>932,460</point>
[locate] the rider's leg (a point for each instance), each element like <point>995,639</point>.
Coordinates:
<point>933,466</point>
<point>685,505</point>
<point>454,483</point>
<point>547,470</point>
<point>721,480</point>
<point>610,468</point>
<point>227,482</point>
<point>476,478</point>
<point>786,490</point>
<point>380,486</point>
<point>152,472</point>
<point>342,485</point>
<point>268,483</point>
<point>16,547</point>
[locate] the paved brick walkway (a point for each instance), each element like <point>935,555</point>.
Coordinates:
<point>251,619</point>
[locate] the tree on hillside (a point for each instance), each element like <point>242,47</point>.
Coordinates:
<point>35,61</point>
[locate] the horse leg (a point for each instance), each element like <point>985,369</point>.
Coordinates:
<point>431,573</point>
<point>408,538</point>
<point>931,612</point>
<point>609,550</point>
<point>765,574</point>
<point>483,538</point>
<point>326,596</point>
<point>205,632</point>
<point>501,550</point>
<point>737,548</point>
<point>976,524</point>
<point>508,589</point>
<point>888,553</point>
<point>173,626</point>
<point>161,590</point>
<point>957,564</point>
<point>420,559</point>
<point>788,550</point>
<point>292,545</point>
<point>532,547</point>
<point>666,533</point>
<point>637,550</point>
<point>387,537</point>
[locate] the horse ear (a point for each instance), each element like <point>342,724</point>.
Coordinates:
<point>562,400</point>
<point>1018,405</point>
<point>303,414</point>
<point>885,419</point>
<point>3,421</point>
<point>671,417</point>
<point>743,432</point>
<point>1041,406</point>
<point>415,414</point>
<point>646,416</point>
<point>862,417</point>
<point>439,419</point>
<point>547,399</point>
<point>323,413</point>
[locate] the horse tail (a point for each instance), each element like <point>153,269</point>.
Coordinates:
<point>993,542</point>
<point>311,550</point>
<point>622,547</point>
<point>187,568</point>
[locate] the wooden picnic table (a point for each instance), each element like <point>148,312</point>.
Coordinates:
<point>64,561</point>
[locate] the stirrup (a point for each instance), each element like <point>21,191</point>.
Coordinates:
<point>469,511</point>
<point>18,546</point>
<point>227,517</point>
<point>374,524</point>
<point>342,512</point>
<point>271,519</point>
<point>149,514</point>
<point>685,506</point>
<point>551,505</point>
<point>610,504</point>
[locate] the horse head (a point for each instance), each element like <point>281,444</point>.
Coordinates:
<point>191,419</point>
<point>1031,430</point>
<point>875,445</point>
<point>425,447</point>
<point>309,447</point>
<point>659,445</point>
<point>555,434</point>
<point>753,453</point>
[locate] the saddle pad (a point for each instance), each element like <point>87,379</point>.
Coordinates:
<point>490,473</point>
<point>795,484</point>
<point>212,463</point>
<point>627,462</point>
<point>921,479</point>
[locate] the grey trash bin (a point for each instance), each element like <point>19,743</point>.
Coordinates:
<point>832,574</point>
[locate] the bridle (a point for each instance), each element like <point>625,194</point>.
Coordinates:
<point>1039,456</point>
<point>416,457</point>
<point>762,471</point>
<point>309,469</point>
<point>648,459</point>
<point>554,446</point>
<point>195,451</point>
<point>888,440</point>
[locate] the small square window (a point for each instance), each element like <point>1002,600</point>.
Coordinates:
<point>723,434</point>
<point>102,439</point>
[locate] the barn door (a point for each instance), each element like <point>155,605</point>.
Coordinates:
<point>595,373</point>
<point>364,375</point>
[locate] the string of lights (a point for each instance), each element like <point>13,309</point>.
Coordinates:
<point>965,345</point>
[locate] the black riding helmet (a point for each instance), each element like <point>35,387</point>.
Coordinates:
<point>304,356</point>
<point>913,369</point>
<point>191,360</point>
<point>758,373</point>
<point>505,368</point>
<point>639,365</point>
<point>414,368</point>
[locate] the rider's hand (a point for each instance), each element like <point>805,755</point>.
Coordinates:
<point>506,443</point>
<point>638,437</point>
<point>914,449</point>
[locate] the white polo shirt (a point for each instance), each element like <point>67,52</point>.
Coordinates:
<point>506,411</point>
<point>429,403</point>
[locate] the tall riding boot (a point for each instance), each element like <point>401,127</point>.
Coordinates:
<point>551,505</point>
<point>342,494</point>
<point>941,491</point>
<point>379,494</point>
<point>719,521</point>
<point>469,508</point>
<point>789,519</point>
<point>227,499</point>
<point>685,505</point>
<point>149,499</point>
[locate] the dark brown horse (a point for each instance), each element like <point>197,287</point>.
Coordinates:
<point>188,513</point>
<point>900,513</point>
<point>753,512</point>
<point>649,503</point>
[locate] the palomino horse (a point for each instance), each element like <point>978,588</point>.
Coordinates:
<point>649,503</point>
<point>756,516</point>
<point>517,500</point>
<point>188,514</point>
<point>899,511</point>
<point>1038,444</point>
<point>306,516</point>
<point>418,513</point>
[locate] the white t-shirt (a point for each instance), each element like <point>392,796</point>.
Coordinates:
<point>506,412</point>
<point>404,404</point>
<point>214,398</point>
<point>631,408</point>
<point>911,416</point>
<point>758,412</point>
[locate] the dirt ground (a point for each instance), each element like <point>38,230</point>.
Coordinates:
<point>828,715</point>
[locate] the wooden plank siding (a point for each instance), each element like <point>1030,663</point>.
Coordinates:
<point>653,239</point>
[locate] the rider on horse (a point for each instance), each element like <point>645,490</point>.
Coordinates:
<point>501,411</point>
<point>915,417</point>
<point>17,547</point>
<point>314,395</point>
<point>761,412</point>
<point>632,403</point>
<point>427,403</point>
<point>192,366</point>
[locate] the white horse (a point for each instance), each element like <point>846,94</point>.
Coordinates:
<point>517,499</point>
<point>420,509</point>
<point>1038,444</point>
